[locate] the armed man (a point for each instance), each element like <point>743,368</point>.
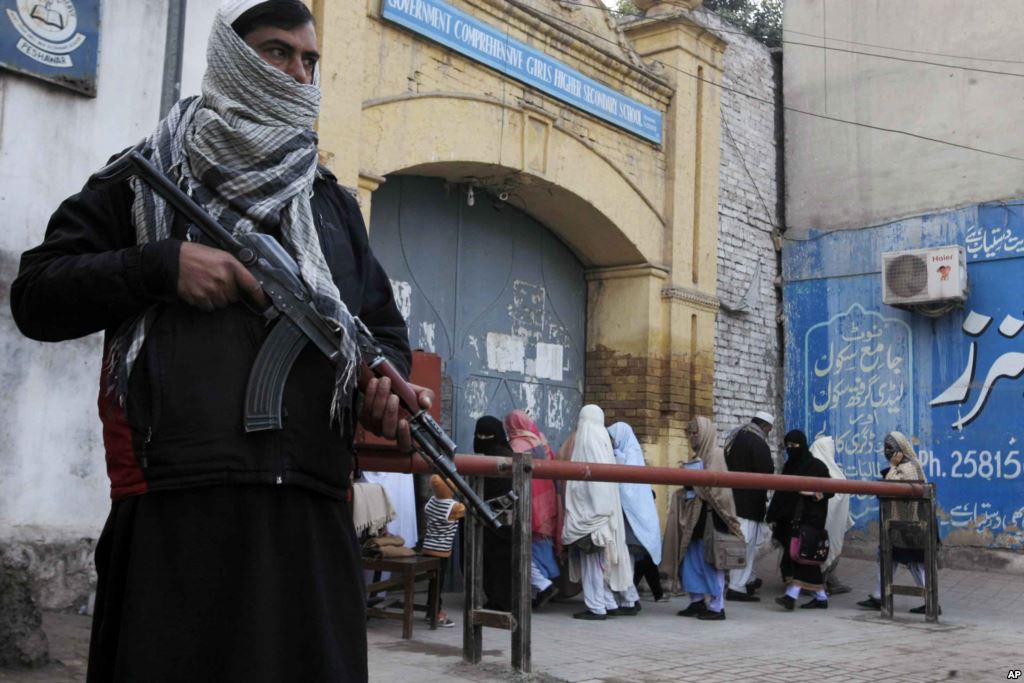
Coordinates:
<point>228,554</point>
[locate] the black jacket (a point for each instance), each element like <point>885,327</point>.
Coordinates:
<point>788,504</point>
<point>749,452</point>
<point>181,424</point>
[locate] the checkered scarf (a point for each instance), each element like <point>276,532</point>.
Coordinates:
<point>246,151</point>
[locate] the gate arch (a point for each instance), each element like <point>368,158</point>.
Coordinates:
<point>592,202</point>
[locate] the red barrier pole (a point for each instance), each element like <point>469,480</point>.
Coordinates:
<point>389,460</point>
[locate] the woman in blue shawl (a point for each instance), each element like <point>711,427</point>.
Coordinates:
<point>643,528</point>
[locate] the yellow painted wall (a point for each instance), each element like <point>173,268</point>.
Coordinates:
<point>642,217</point>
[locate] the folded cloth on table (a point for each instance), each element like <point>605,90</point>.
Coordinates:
<point>384,540</point>
<point>395,551</point>
<point>371,508</point>
<point>389,549</point>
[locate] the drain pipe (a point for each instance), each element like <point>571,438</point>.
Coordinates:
<point>174,46</point>
<point>780,211</point>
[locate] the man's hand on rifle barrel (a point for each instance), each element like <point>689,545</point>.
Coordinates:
<point>380,414</point>
<point>210,278</point>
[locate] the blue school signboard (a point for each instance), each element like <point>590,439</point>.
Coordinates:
<point>53,40</point>
<point>857,369</point>
<point>479,41</point>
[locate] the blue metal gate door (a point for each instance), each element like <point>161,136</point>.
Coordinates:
<point>491,291</point>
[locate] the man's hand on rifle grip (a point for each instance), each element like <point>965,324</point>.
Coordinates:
<point>381,410</point>
<point>210,278</point>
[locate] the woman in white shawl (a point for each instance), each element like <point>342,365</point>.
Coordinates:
<point>903,466</point>
<point>643,528</point>
<point>595,530</point>
<point>839,519</point>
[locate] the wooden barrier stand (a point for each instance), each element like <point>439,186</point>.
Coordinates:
<point>523,469</point>
<point>915,534</point>
<point>475,618</point>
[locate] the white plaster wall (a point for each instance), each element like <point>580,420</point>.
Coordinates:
<point>52,471</point>
<point>838,175</point>
<point>747,358</point>
<point>197,32</point>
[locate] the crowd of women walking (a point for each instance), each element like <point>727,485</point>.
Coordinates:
<point>607,537</point>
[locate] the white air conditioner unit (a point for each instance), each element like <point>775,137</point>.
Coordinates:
<point>923,276</point>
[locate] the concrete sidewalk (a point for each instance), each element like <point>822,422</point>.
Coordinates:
<point>980,637</point>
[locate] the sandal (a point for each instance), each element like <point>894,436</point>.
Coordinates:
<point>442,621</point>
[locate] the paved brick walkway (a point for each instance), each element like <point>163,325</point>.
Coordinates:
<point>979,637</point>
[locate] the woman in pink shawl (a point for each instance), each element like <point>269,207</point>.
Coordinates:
<point>525,437</point>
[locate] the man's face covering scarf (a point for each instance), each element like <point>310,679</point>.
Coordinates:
<point>246,151</point>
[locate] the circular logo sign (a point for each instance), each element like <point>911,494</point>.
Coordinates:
<point>52,20</point>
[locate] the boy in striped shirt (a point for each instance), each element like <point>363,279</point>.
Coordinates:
<point>443,513</point>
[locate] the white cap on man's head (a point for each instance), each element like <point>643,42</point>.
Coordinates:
<point>765,417</point>
<point>232,9</point>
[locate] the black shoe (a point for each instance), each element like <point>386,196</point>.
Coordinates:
<point>754,585</point>
<point>730,594</point>
<point>814,604</point>
<point>786,602</point>
<point>694,610</point>
<point>629,611</point>
<point>708,615</point>
<point>613,612</point>
<point>870,603</point>
<point>587,615</point>
<point>544,597</point>
<point>923,609</point>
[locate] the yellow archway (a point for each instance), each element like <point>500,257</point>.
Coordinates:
<point>557,177</point>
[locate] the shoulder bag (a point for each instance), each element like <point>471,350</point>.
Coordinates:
<point>723,549</point>
<point>807,544</point>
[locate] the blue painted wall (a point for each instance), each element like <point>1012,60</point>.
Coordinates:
<point>857,369</point>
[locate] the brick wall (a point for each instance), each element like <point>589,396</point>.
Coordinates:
<point>656,396</point>
<point>747,355</point>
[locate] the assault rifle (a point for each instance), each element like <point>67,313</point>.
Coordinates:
<point>298,324</point>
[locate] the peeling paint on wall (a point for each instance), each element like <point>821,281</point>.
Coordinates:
<point>475,343</point>
<point>403,297</point>
<point>527,310</point>
<point>427,335</point>
<point>475,397</point>
<point>529,398</point>
<point>558,403</point>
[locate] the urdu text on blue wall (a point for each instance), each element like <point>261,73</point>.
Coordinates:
<point>857,369</point>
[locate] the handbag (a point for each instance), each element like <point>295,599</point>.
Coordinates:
<point>807,544</point>
<point>722,549</point>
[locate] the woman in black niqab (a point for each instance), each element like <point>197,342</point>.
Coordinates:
<point>783,505</point>
<point>489,438</point>
<point>810,509</point>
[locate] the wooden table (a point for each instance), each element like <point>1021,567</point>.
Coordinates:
<point>405,572</point>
